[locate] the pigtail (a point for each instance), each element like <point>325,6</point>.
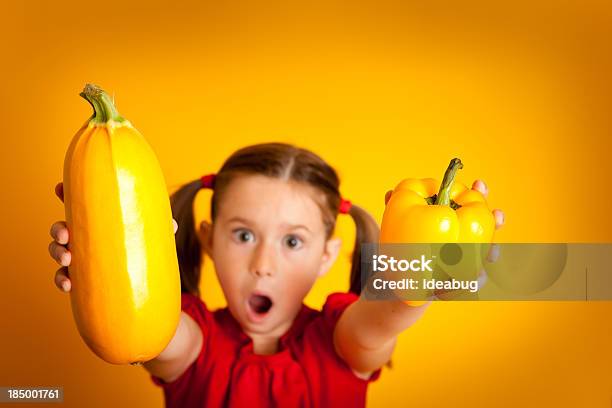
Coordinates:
<point>367,231</point>
<point>187,243</point>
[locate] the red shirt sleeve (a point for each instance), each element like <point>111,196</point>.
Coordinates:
<point>197,310</point>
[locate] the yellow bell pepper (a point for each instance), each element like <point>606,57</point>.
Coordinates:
<point>418,212</point>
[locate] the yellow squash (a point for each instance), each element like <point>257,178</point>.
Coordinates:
<point>126,294</point>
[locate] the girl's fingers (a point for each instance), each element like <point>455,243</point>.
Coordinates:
<point>59,191</point>
<point>482,278</point>
<point>500,218</point>
<point>481,186</point>
<point>60,253</point>
<point>62,281</point>
<point>388,196</point>
<point>59,232</point>
<point>493,254</point>
<point>175,225</point>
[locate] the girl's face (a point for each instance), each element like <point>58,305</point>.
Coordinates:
<point>268,244</point>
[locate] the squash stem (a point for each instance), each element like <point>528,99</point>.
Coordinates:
<point>102,104</point>
<point>443,197</point>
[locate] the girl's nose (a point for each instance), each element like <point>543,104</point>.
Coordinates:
<point>262,263</point>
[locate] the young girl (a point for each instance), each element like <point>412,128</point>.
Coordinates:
<point>273,212</point>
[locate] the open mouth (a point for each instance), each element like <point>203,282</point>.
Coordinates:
<point>260,304</point>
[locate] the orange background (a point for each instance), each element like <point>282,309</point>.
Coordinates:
<point>520,91</point>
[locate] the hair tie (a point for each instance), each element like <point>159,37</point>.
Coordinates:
<point>345,206</point>
<point>208,181</point>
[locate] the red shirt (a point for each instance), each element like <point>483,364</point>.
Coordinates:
<point>305,372</point>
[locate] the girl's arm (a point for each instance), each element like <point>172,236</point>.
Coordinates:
<point>366,333</point>
<point>180,353</point>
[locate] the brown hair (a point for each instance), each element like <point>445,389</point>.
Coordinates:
<point>278,160</point>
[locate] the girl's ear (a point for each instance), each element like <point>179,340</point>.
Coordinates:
<point>331,251</point>
<point>205,237</point>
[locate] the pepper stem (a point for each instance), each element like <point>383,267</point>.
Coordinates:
<point>102,104</point>
<point>443,197</point>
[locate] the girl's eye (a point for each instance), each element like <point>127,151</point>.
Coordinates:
<point>293,242</point>
<point>243,235</point>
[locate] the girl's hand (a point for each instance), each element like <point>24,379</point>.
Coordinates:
<point>58,248</point>
<point>478,185</point>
